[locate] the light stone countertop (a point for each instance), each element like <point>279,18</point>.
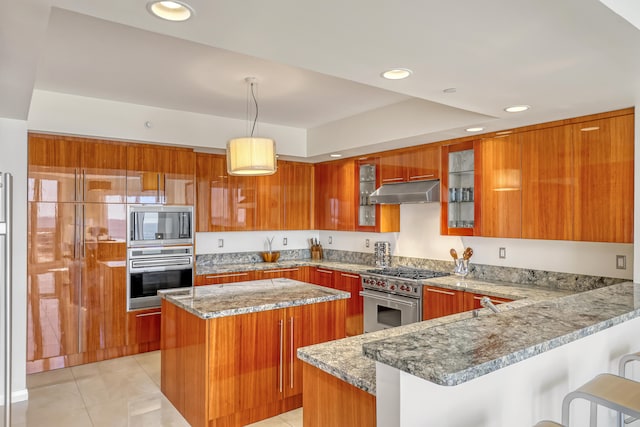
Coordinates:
<point>211,301</point>
<point>454,353</point>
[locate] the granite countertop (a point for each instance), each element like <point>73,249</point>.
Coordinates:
<point>457,352</point>
<point>237,268</point>
<point>345,359</point>
<point>211,301</point>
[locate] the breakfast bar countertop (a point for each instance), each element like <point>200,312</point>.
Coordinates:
<point>212,301</point>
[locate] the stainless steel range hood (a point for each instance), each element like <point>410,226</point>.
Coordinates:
<point>407,192</point>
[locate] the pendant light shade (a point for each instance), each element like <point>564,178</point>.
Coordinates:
<point>249,155</point>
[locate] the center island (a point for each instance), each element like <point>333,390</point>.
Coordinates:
<point>228,352</point>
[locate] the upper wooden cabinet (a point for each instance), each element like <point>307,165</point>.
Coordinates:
<point>547,184</point>
<point>70,169</point>
<point>603,170</point>
<point>460,189</point>
<point>501,188</point>
<point>296,180</point>
<point>212,193</point>
<point>413,165</point>
<point>335,195</point>
<point>160,175</point>
<point>373,217</point>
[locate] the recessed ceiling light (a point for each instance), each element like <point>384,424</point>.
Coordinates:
<point>589,129</point>
<point>397,74</point>
<point>475,129</point>
<point>335,155</point>
<point>170,10</point>
<point>517,108</point>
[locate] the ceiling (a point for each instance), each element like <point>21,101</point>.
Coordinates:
<point>318,63</point>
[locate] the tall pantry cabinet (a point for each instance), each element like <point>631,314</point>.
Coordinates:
<point>76,250</point>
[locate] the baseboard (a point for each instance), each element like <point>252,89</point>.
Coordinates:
<point>16,396</point>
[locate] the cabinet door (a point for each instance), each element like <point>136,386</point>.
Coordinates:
<point>355,305</point>
<point>54,278</point>
<point>501,190</point>
<point>102,250</point>
<point>325,203</point>
<point>297,195</point>
<point>438,302</point>
<point>219,278</point>
<point>308,325</point>
<point>212,193</point>
<point>54,168</point>
<point>547,184</point>
<point>461,189</point>
<point>268,208</point>
<point>393,168</point>
<point>179,167</point>
<point>242,202</point>
<point>322,276</point>
<point>423,163</point>
<point>603,167</point>
<point>472,301</point>
<point>104,171</point>
<point>294,273</point>
<point>144,327</point>
<point>335,197</point>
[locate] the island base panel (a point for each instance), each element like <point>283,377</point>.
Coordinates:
<point>329,401</point>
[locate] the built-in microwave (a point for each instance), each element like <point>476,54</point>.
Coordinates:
<point>150,225</point>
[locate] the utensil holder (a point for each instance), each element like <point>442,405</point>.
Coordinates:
<point>270,256</point>
<point>461,267</point>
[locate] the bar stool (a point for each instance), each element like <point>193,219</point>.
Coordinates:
<point>614,392</point>
<point>547,423</point>
<point>633,357</point>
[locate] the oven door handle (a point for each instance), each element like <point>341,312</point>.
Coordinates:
<point>151,263</point>
<point>388,299</point>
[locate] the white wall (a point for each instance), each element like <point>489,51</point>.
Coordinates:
<point>61,113</point>
<point>252,241</point>
<point>13,159</point>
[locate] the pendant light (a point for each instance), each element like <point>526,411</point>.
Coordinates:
<point>249,155</point>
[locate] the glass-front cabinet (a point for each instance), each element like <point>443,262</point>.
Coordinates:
<point>460,190</point>
<point>367,185</point>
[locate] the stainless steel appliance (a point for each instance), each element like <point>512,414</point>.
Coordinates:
<point>393,296</point>
<point>151,225</point>
<point>152,269</point>
<point>6,209</point>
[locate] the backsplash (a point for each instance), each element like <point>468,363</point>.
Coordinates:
<point>522,276</point>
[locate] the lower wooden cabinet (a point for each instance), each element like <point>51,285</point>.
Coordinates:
<point>235,370</point>
<point>472,301</point>
<point>294,273</point>
<point>219,278</point>
<point>143,328</point>
<point>322,276</point>
<point>439,302</point>
<point>351,283</point>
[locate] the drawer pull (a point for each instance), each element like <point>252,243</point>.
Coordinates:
<point>155,313</point>
<point>217,276</point>
<point>438,291</point>
<point>353,276</point>
<point>282,270</point>
<point>392,179</point>
<point>422,176</point>
<point>324,271</point>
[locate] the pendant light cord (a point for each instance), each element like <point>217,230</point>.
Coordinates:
<point>255,101</point>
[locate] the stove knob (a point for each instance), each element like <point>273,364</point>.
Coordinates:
<point>402,288</point>
<point>392,287</point>
<point>380,283</point>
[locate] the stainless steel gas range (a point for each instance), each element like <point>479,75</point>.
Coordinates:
<point>393,296</point>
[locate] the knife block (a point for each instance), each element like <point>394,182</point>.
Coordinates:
<point>316,252</point>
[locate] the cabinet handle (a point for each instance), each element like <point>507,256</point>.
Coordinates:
<point>324,271</point>
<point>84,185</point>
<point>291,354</point>
<point>164,188</point>
<point>75,184</point>
<point>438,291</point>
<point>84,232</point>
<point>217,276</point>
<point>353,276</point>
<point>282,270</point>
<point>155,313</point>
<point>393,179</point>
<point>431,175</point>
<point>281,345</point>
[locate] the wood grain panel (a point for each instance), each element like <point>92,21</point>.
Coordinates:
<point>104,171</point>
<point>297,195</point>
<point>501,187</point>
<point>212,193</point>
<point>393,167</point>
<point>54,165</point>
<point>322,276</point>
<point>294,273</point>
<point>329,401</point>
<point>335,197</point>
<point>423,163</point>
<point>219,278</point>
<point>547,184</point>
<point>242,202</point>
<point>438,302</point>
<point>268,193</point>
<point>603,166</point>
<point>351,283</point>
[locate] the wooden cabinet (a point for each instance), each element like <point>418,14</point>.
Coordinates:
<point>603,168</point>
<point>501,189</point>
<point>322,276</point>
<point>219,278</point>
<point>335,195</point>
<point>160,175</point>
<point>233,386</point>
<point>461,189</point>
<point>373,217</point>
<point>212,193</point>
<point>411,165</point>
<point>70,169</point>
<point>144,328</point>
<point>295,273</point>
<point>351,283</point>
<point>547,184</point>
<point>439,302</point>
<point>296,180</point>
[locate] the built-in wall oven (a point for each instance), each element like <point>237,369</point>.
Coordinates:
<point>393,296</point>
<point>151,269</point>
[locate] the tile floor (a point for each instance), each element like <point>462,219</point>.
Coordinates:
<point>113,393</point>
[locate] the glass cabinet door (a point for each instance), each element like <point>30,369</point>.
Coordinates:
<point>461,189</point>
<point>367,185</point>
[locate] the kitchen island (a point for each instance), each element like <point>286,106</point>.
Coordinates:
<point>228,353</point>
